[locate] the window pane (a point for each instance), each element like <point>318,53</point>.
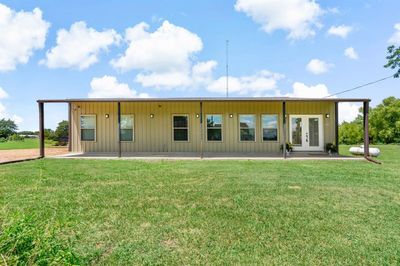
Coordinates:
<point>296,131</point>
<point>126,134</point>
<point>180,135</point>
<point>180,121</point>
<point>126,122</point>
<point>270,134</point>
<point>269,121</point>
<point>247,121</point>
<point>214,120</point>
<point>247,134</point>
<point>87,134</point>
<point>88,122</point>
<point>214,134</point>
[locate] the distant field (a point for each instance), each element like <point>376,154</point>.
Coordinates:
<point>123,212</point>
<point>26,144</point>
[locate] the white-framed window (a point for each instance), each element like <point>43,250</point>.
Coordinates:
<point>88,127</point>
<point>269,127</point>
<point>127,127</point>
<point>214,127</point>
<point>247,127</point>
<point>180,127</point>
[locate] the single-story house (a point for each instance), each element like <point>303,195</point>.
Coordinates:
<point>201,125</point>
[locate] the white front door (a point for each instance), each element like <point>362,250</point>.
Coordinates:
<point>306,132</point>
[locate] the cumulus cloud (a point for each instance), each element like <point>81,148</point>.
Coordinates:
<point>351,53</point>
<point>79,47</point>
<point>255,85</point>
<point>109,87</point>
<point>317,66</point>
<point>298,17</point>
<point>3,112</point>
<point>347,111</point>
<point>340,31</point>
<point>21,34</point>
<point>395,38</point>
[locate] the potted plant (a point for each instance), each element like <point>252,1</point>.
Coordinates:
<point>289,147</point>
<point>331,148</point>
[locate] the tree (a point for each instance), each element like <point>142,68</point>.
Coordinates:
<point>7,128</point>
<point>351,132</point>
<point>393,58</point>
<point>49,134</point>
<point>385,121</point>
<point>61,133</point>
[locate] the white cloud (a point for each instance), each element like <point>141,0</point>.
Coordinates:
<point>79,47</point>
<point>347,111</point>
<point>317,66</point>
<point>256,85</point>
<point>109,87</point>
<point>3,112</point>
<point>298,17</point>
<point>351,53</point>
<point>21,34</point>
<point>340,31</point>
<point>3,93</point>
<point>395,38</point>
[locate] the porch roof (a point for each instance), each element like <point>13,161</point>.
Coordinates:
<point>206,99</point>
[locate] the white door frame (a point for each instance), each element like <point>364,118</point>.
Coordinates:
<point>305,133</point>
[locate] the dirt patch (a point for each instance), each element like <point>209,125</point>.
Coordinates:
<point>12,155</point>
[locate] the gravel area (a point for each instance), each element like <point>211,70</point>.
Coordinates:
<point>12,155</point>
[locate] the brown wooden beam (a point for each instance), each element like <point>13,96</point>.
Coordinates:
<point>41,129</point>
<point>201,130</point>
<point>366,128</point>
<point>119,129</point>
<point>284,129</point>
<point>337,126</point>
<point>69,128</point>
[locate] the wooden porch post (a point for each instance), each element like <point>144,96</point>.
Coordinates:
<point>41,129</point>
<point>366,128</point>
<point>119,129</point>
<point>201,130</point>
<point>337,126</point>
<point>69,128</point>
<point>284,129</point>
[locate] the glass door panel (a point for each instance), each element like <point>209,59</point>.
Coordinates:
<point>296,131</point>
<point>313,131</point>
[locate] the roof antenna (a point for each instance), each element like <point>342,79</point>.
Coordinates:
<point>227,69</point>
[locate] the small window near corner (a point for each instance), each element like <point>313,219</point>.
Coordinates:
<point>127,130</point>
<point>269,127</point>
<point>88,127</point>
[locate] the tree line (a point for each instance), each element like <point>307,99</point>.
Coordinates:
<point>9,132</point>
<point>384,124</point>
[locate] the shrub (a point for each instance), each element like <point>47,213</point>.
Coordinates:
<point>26,241</point>
<point>3,140</point>
<point>16,137</point>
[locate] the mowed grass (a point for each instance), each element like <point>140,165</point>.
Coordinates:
<point>213,212</point>
<point>25,144</point>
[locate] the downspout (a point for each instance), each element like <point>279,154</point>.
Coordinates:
<point>201,129</point>
<point>119,129</point>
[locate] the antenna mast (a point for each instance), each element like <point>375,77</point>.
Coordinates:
<point>227,69</point>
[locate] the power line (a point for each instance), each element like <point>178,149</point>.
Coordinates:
<point>360,86</point>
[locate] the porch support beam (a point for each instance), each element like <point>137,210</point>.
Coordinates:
<point>337,126</point>
<point>284,129</point>
<point>119,129</point>
<point>201,130</point>
<point>366,128</point>
<point>69,128</point>
<point>41,129</point>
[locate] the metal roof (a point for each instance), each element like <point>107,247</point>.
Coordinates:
<point>206,99</point>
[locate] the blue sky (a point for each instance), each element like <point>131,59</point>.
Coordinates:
<point>76,49</point>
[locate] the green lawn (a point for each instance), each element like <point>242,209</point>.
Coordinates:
<point>26,144</point>
<point>202,212</point>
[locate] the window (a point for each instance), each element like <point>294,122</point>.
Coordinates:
<point>180,127</point>
<point>127,127</point>
<point>269,127</point>
<point>214,127</point>
<point>88,127</point>
<point>247,125</point>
